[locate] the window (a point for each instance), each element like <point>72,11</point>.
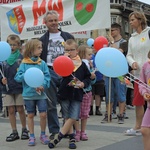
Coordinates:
<point>126,26</point>
<point>113,19</point>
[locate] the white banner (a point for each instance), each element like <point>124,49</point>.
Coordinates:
<point>25,18</point>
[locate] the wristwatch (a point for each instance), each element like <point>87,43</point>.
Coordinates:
<point>112,42</point>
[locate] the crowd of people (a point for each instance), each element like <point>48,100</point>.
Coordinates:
<point>76,92</point>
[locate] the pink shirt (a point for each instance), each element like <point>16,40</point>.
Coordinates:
<point>145,77</point>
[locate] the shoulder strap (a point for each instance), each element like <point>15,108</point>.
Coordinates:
<point>149,34</point>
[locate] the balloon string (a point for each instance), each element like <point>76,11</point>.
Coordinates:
<point>138,79</point>
<point>82,88</point>
<point>7,88</point>
<point>39,92</point>
<point>47,97</point>
<point>143,85</point>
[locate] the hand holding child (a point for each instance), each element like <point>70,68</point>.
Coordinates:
<point>135,66</point>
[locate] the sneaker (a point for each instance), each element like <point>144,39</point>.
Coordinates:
<point>105,120</point>
<point>44,139</point>
<point>84,136</point>
<point>31,141</point>
<point>60,114</point>
<point>114,116</point>
<point>130,107</point>
<point>120,119</point>
<point>72,144</point>
<point>98,112</point>
<point>77,136</point>
<point>125,116</point>
<point>131,132</point>
<point>3,115</point>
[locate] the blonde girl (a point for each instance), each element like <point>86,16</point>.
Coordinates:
<point>33,50</point>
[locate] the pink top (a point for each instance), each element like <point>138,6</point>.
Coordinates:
<point>145,77</point>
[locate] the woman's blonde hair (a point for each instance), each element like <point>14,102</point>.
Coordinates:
<point>140,16</point>
<point>30,46</point>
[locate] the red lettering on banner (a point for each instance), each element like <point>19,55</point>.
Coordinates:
<point>8,1</point>
<point>82,32</point>
<point>20,17</point>
<point>38,11</point>
<point>58,7</point>
<point>41,10</point>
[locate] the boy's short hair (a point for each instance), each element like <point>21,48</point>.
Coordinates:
<point>14,37</point>
<point>116,25</point>
<point>70,42</point>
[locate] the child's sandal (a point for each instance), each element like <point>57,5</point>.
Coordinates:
<point>53,142</point>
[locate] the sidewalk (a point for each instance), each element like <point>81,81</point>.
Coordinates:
<point>107,136</point>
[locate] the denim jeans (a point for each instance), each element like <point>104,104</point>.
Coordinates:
<point>52,117</point>
<point>70,109</point>
<point>118,90</point>
<point>1,103</point>
<point>31,105</point>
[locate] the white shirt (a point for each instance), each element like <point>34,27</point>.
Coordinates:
<point>55,47</point>
<point>138,48</point>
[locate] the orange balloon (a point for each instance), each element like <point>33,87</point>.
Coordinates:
<point>63,66</point>
<point>100,42</point>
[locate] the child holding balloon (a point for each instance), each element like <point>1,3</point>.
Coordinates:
<point>33,94</point>
<point>85,54</point>
<point>144,89</point>
<point>12,90</point>
<point>70,93</point>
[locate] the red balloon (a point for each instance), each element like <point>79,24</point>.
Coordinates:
<point>63,66</point>
<point>100,42</point>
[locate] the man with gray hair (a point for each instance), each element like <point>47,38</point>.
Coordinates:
<point>53,46</point>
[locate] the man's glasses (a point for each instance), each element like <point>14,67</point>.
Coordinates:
<point>69,50</point>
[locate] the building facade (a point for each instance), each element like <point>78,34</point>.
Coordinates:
<point>120,10</point>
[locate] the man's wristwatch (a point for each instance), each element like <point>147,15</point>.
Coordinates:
<point>112,42</point>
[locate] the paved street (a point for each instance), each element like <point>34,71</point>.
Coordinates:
<point>107,136</point>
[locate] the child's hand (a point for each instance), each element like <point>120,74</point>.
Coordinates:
<point>4,80</point>
<point>79,84</point>
<point>146,96</point>
<point>93,76</point>
<point>40,89</point>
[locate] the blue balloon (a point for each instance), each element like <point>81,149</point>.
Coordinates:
<point>34,77</point>
<point>90,42</point>
<point>111,62</point>
<point>5,50</point>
